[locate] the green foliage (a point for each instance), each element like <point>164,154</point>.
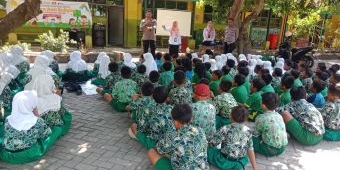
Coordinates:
<point>304,25</point>
<point>55,44</point>
<point>3,3</point>
<point>25,46</point>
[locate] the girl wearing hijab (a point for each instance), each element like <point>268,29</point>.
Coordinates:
<point>213,65</point>
<point>53,63</point>
<point>6,94</point>
<point>128,61</point>
<point>5,60</point>
<point>97,63</point>
<point>209,34</point>
<point>206,58</point>
<point>76,69</point>
<point>16,84</point>
<point>149,63</point>
<point>103,71</point>
<point>174,39</point>
<point>219,63</point>
<point>20,62</point>
<point>50,106</point>
<point>268,65</point>
<point>251,66</point>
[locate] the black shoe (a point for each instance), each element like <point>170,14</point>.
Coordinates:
<point>79,90</point>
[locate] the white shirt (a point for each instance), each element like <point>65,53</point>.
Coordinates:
<point>174,39</point>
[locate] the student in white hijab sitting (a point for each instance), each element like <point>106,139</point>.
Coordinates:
<point>15,83</point>
<point>268,65</point>
<point>149,63</point>
<point>5,60</point>
<point>18,59</point>
<point>128,61</point>
<point>76,69</point>
<point>6,94</point>
<point>96,65</point>
<point>103,71</point>
<point>53,63</point>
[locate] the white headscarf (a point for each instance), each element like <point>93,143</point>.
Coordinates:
<point>205,58</point>
<point>76,63</point>
<point>268,65</point>
<point>5,60</point>
<point>259,62</point>
<point>281,59</point>
<point>193,56</point>
<point>219,63</point>
<point>232,57</point>
<point>22,117</point>
<point>128,61</point>
<point>242,57</point>
<point>149,63</point>
<point>224,59</point>
<point>280,65</point>
<point>104,67</point>
<point>47,99</point>
<point>249,56</point>
<point>251,66</point>
<point>49,54</point>
<point>13,71</point>
<point>17,54</point>
<point>100,56</point>
<point>5,79</point>
<point>213,65</point>
<point>41,67</point>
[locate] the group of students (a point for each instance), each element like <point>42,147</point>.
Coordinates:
<point>33,116</point>
<point>189,111</point>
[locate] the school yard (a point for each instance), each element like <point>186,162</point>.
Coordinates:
<point>98,140</point>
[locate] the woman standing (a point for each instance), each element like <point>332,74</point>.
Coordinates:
<point>209,34</point>
<point>174,39</point>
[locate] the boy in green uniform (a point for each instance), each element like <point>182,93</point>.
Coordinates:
<point>179,94</point>
<point>172,152</point>
<point>239,92</point>
<point>226,75</point>
<point>167,58</point>
<point>236,143</point>
<point>286,84</point>
<point>110,80</point>
<point>267,78</point>
<point>331,114</point>
<point>324,77</point>
<point>154,78</point>
<point>204,112</point>
<point>255,98</point>
<point>215,81</point>
<point>122,91</point>
<point>277,76</point>
<point>167,76</point>
<point>231,64</point>
<point>306,77</point>
<point>296,75</point>
<point>245,71</point>
<point>302,119</point>
<point>270,137</point>
<point>223,104</point>
<point>140,76</point>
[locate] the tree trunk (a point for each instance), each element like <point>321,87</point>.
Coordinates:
<point>244,44</point>
<point>236,9</point>
<point>19,16</point>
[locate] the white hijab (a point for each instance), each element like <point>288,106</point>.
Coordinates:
<point>22,117</point>
<point>268,65</point>
<point>13,71</point>
<point>49,54</point>
<point>47,99</point>
<point>5,60</point>
<point>76,63</point>
<point>219,63</point>
<point>205,58</point>
<point>41,67</point>
<point>149,63</point>
<point>242,57</point>
<point>232,57</point>
<point>280,65</point>
<point>213,65</point>
<point>224,59</point>
<point>193,56</point>
<point>5,79</point>
<point>17,54</point>
<point>104,67</point>
<point>128,61</point>
<point>251,66</point>
<point>259,62</point>
<point>99,57</point>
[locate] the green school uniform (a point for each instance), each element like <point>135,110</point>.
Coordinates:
<point>6,98</point>
<point>204,115</point>
<point>276,84</point>
<point>232,72</point>
<point>247,84</point>
<point>166,78</point>
<point>331,116</point>
<point>179,95</point>
<point>268,88</point>
<point>227,77</point>
<point>110,81</point>
<point>196,79</point>
<point>223,104</point>
<point>240,93</point>
<point>139,108</point>
<point>285,98</point>
<point>297,83</point>
<point>254,104</point>
<point>324,92</point>
<point>214,86</point>
<point>122,93</point>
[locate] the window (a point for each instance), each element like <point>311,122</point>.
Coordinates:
<point>207,13</point>
<point>166,4</point>
<point>262,20</point>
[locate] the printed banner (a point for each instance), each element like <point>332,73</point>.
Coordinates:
<point>58,14</point>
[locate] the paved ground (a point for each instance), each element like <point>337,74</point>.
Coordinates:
<point>98,140</point>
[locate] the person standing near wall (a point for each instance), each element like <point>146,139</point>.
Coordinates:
<point>230,36</point>
<point>209,34</point>
<point>174,39</point>
<point>148,26</point>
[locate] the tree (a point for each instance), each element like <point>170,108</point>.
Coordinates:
<point>19,16</point>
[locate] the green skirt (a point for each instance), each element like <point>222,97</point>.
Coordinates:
<point>301,134</point>
<point>217,159</point>
<point>146,141</point>
<point>118,106</point>
<point>67,119</point>
<point>264,149</point>
<point>221,121</point>
<point>98,82</point>
<point>163,163</point>
<point>331,135</point>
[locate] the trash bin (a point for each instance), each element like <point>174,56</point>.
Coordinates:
<point>273,39</point>
<point>98,35</point>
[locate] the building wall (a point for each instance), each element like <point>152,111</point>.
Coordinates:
<point>133,15</point>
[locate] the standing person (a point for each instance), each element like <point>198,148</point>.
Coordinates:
<point>230,36</point>
<point>148,26</point>
<point>174,39</point>
<point>209,34</point>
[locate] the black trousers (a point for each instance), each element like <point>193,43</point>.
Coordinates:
<point>173,50</point>
<point>151,44</point>
<point>229,48</point>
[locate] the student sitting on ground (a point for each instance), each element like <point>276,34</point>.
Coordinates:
<point>324,77</point>
<point>231,64</point>
<point>200,72</point>
<point>140,77</point>
<point>316,97</point>
<point>122,91</point>
<point>6,94</point>
<point>270,137</point>
<point>154,78</point>
<point>179,94</point>
<point>110,80</point>
<point>331,114</point>
<point>187,64</point>
<point>21,63</point>
<point>96,64</point>
<point>204,112</point>
<point>239,91</point>
<point>335,77</point>
<point>236,143</point>
<point>267,78</point>
<point>223,103</point>
<point>166,58</point>
<point>307,78</point>
<point>215,81</point>
<point>255,98</point>
<point>226,76</point>
<point>156,120</point>
<point>286,84</point>
<point>296,74</point>
<point>245,71</point>
<point>167,76</point>
<point>15,83</point>
<point>54,65</point>
<point>192,153</point>
<point>128,62</point>
<point>277,76</point>
<point>149,63</point>
<point>303,121</point>
<point>158,60</point>
<point>103,71</point>
<point>288,67</point>
<point>76,69</point>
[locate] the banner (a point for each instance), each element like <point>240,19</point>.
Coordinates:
<point>58,14</point>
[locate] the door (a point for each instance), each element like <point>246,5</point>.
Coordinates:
<point>116,25</point>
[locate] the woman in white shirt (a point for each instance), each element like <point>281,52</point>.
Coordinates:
<point>174,39</point>
<point>209,34</point>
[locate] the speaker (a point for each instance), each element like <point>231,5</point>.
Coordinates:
<point>98,35</point>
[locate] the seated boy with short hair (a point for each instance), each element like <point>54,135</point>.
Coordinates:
<point>307,78</point>
<point>179,94</point>
<point>255,98</point>
<point>167,76</point>
<point>316,98</point>
<point>215,81</point>
<point>110,80</point>
<point>154,78</point>
<point>296,74</point>
<point>239,92</point>
<point>277,77</point>
<point>302,119</point>
<point>270,137</point>
<point>331,114</point>
<point>236,143</point>
<point>122,91</point>
<point>226,76</point>
<point>224,103</point>
<point>267,78</point>
<point>286,84</point>
<point>172,152</point>
<point>140,76</point>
